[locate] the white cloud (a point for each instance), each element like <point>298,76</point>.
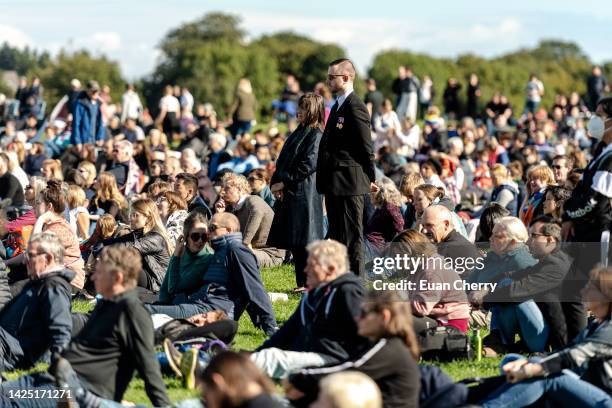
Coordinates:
<point>14,36</point>
<point>102,41</point>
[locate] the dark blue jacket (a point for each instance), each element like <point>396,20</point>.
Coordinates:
<point>86,116</point>
<point>39,317</point>
<point>324,321</point>
<point>233,283</point>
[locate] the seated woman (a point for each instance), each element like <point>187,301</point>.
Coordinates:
<point>255,218</point>
<point>173,211</point>
<point>259,180</point>
<point>386,221</point>
<point>149,237</point>
<point>108,198</point>
<point>576,376</point>
<point>554,197</point>
<point>78,216</point>
<point>50,210</point>
<point>539,178</point>
<point>190,261</point>
<point>431,306</point>
<point>391,361</point>
<point>409,182</point>
<point>509,253</point>
<point>37,184</point>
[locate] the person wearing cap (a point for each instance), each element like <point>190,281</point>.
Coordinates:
<point>87,126</point>
<point>431,170</point>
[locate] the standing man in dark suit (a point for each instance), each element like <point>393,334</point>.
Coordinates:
<point>345,166</point>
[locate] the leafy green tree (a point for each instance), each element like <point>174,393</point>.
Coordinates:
<point>56,76</point>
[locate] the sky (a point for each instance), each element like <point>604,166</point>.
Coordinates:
<point>129,31</point>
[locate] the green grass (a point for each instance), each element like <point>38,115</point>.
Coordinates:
<point>279,279</point>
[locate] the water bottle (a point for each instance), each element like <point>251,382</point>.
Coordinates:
<point>476,344</point>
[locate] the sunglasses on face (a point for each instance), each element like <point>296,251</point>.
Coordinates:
<point>198,236</point>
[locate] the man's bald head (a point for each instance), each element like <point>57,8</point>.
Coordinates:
<point>437,223</point>
<point>226,220</point>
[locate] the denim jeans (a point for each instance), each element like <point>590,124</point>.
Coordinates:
<point>562,390</point>
<point>526,320</point>
<point>38,384</point>
<point>182,311</point>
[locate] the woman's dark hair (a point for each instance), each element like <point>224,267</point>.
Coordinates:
<point>489,218</point>
<point>238,371</point>
<point>314,110</point>
<point>559,193</point>
<point>259,174</point>
<point>175,201</point>
<point>53,195</point>
<point>606,105</point>
<point>194,217</point>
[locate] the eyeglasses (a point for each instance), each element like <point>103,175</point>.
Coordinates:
<point>537,234</point>
<point>214,227</point>
<point>332,76</point>
<point>198,236</point>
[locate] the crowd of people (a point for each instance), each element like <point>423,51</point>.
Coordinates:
<point>166,223</point>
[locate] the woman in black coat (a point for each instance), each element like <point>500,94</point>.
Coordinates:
<point>298,211</point>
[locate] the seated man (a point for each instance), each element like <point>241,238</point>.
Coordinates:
<point>116,341</point>
<point>38,319</point>
<point>186,185</point>
<point>323,329</point>
<point>437,224</point>
<point>546,323</point>
<point>232,282</point>
<point>255,217</point>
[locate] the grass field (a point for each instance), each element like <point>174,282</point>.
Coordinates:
<point>280,279</point>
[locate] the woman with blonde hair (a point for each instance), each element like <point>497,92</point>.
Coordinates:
<point>78,214</point>
<point>52,169</point>
<point>108,198</point>
<point>386,221</point>
<point>539,178</point>
<point>391,361</point>
<point>242,111</point>
<point>150,238</point>
<point>85,177</point>
<point>173,211</point>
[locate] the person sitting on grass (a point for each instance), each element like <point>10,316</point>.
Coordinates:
<point>38,319</point>
<point>190,261</point>
<point>116,341</point>
<point>390,360</point>
<point>255,218</point>
<point>322,330</point>
<point>545,323</point>
<point>576,376</point>
<point>231,283</point>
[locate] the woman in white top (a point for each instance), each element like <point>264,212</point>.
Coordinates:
<point>169,114</point>
<point>78,214</point>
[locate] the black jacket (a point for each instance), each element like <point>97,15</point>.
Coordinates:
<point>455,246</point>
<point>388,362</point>
<point>11,188</point>
<point>590,203</point>
<point>39,317</point>
<point>324,321</point>
<point>116,341</point>
<point>153,250</point>
<point>345,164</point>
<point>543,283</point>
<point>298,218</point>
<point>5,290</point>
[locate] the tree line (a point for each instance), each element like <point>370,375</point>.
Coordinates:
<point>210,54</point>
